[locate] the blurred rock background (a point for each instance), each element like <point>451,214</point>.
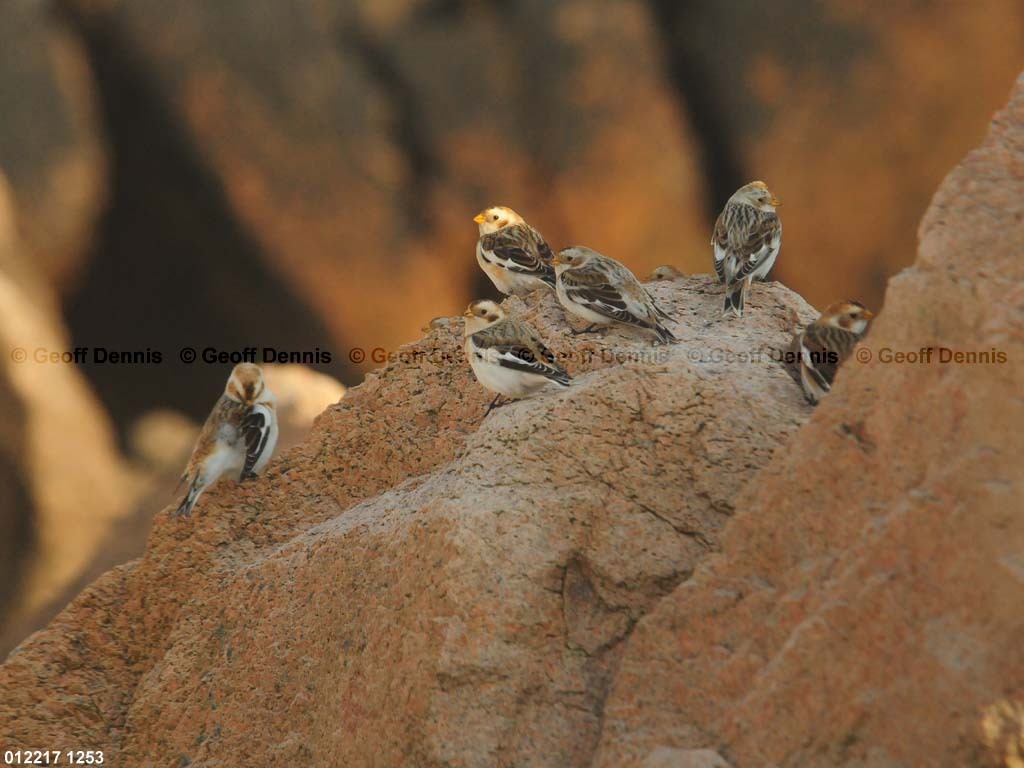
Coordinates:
<point>302,175</point>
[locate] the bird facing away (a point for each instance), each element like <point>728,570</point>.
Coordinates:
<point>747,237</point>
<point>506,355</point>
<point>827,342</point>
<point>239,435</point>
<point>512,253</point>
<point>602,291</point>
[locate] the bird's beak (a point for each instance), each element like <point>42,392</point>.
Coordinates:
<point>479,218</point>
<point>867,314</point>
<point>555,261</point>
<point>468,313</point>
<point>775,202</point>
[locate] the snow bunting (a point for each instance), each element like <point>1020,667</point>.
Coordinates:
<point>436,322</point>
<point>239,435</point>
<point>827,342</point>
<point>603,291</point>
<point>512,253</point>
<point>506,355</point>
<point>665,272</point>
<point>747,237</point>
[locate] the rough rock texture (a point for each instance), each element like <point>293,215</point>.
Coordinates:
<point>412,586</point>
<point>50,148</point>
<point>159,447</point>
<point>557,585</point>
<point>865,609</point>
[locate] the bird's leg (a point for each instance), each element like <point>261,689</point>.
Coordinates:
<point>592,328</point>
<point>493,405</point>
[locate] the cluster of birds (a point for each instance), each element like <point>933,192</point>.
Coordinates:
<point>507,355</point>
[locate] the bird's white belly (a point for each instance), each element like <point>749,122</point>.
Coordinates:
<point>504,280</point>
<point>502,380</point>
<point>223,460</point>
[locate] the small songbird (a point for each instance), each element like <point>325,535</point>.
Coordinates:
<point>239,435</point>
<point>506,355</point>
<point>436,322</point>
<point>827,342</point>
<point>602,291</point>
<point>665,272</point>
<point>746,240</point>
<point>512,253</point>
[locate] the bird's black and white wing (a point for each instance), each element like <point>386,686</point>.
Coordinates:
<point>515,346</point>
<point>257,426</point>
<point>744,239</point>
<point>521,250</point>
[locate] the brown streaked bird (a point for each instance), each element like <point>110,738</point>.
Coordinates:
<point>827,342</point>
<point>436,322</point>
<point>665,272</point>
<point>506,355</point>
<point>602,291</point>
<point>239,435</point>
<point>512,253</point>
<point>746,241</point>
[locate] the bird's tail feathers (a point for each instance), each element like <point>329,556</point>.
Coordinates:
<point>665,336</point>
<point>187,504</point>
<point>734,296</point>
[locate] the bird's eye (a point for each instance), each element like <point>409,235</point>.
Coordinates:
<point>494,217</point>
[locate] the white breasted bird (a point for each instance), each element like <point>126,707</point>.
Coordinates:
<point>747,237</point>
<point>827,342</point>
<point>602,291</point>
<point>238,437</point>
<point>512,253</point>
<point>506,355</point>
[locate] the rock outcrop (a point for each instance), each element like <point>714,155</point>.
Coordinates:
<point>865,609</point>
<point>414,586</point>
<point>673,562</point>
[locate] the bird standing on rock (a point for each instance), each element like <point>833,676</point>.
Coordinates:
<point>602,291</point>
<point>747,237</point>
<point>827,342</point>
<point>512,253</point>
<point>506,355</point>
<point>239,435</point>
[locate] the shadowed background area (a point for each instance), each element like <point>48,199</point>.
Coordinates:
<point>303,176</point>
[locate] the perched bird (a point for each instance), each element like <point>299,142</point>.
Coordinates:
<point>506,355</point>
<point>665,272</point>
<point>436,322</point>
<point>602,291</point>
<point>747,237</point>
<point>239,435</point>
<point>827,342</point>
<point>512,253</point>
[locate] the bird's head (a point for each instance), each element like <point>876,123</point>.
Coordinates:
<point>665,272</point>
<point>482,313</point>
<point>757,194</point>
<point>246,385</point>
<point>572,257</point>
<point>849,315</point>
<point>495,218</point>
